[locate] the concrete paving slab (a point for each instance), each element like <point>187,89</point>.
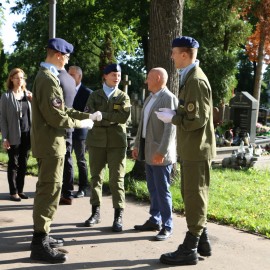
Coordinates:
<point>100,248</point>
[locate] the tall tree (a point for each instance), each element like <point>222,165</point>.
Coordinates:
<point>82,23</point>
<point>258,46</point>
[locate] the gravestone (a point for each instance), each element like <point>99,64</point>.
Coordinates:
<point>243,113</point>
<point>263,116</point>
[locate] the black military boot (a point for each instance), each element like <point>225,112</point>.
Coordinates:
<point>186,254</point>
<point>95,217</point>
<point>53,242</point>
<point>204,247</point>
<point>117,223</point>
<point>41,250</point>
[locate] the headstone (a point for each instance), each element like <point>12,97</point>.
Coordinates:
<point>263,116</point>
<point>226,113</point>
<point>243,113</point>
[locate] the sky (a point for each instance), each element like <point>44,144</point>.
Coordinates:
<point>8,33</point>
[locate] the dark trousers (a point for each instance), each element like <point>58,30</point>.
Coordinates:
<point>68,174</point>
<point>158,184</point>
<point>17,164</point>
<point>80,149</point>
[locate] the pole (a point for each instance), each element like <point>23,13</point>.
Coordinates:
<point>52,19</point>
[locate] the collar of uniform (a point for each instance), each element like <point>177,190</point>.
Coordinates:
<point>109,91</point>
<point>183,72</point>
<point>52,68</point>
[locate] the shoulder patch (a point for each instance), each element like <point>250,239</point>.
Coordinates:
<point>190,107</point>
<point>57,102</point>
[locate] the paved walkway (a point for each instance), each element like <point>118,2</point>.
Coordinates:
<point>99,248</point>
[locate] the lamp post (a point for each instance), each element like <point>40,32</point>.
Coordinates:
<point>52,19</point>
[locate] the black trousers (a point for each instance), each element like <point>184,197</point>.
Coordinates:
<point>17,164</point>
<point>80,149</point>
<point>68,174</point>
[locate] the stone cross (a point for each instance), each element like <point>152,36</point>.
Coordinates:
<point>126,83</point>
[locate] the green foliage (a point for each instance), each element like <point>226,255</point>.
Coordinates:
<point>245,74</point>
<point>105,31</point>
<point>3,71</point>
<point>85,24</point>
<point>220,32</point>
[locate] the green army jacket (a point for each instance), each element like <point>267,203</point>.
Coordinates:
<point>194,118</point>
<point>111,130</point>
<point>50,116</point>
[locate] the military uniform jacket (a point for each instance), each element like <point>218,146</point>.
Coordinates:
<point>50,116</point>
<point>111,130</point>
<point>194,118</point>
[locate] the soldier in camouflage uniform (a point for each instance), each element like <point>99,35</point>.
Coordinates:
<point>196,147</point>
<point>107,143</point>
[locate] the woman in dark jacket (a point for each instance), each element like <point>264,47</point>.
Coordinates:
<point>15,128</point>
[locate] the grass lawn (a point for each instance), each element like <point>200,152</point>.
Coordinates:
<point>239,198</point>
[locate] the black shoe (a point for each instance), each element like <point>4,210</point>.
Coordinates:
<point>163,235</point>
<point>95,217</point>
<point>80,194</point>
<point>148,226</point>
<point>204,247</point>
<point>65,201</point>
<point>41,251</point>
<point>186,254</point>
<point>15,198</point>
<point>117,223</point>
<point>23,196</point>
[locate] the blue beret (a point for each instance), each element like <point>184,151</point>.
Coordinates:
<point>185,41</point>
<point>112,68</point>
<point>60,45</point>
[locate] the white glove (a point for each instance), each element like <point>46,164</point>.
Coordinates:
<point>87,123</point>
<point>164,116</point>
<point>167,110</point>
<point>97,116</point>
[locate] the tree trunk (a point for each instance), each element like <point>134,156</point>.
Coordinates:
<point>165,25</point>
<point>258,74</point>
